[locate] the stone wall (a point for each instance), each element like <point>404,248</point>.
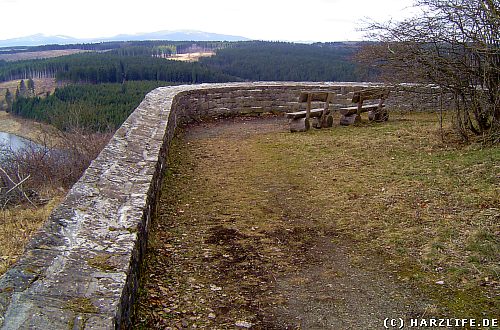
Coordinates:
<point>81,270</point>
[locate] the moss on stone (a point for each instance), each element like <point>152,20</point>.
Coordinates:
<point>81,305</point>
<point>102,262</point>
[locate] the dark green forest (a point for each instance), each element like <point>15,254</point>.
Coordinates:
<point>181,46</point>
<point>98,68</point>
<point>100,107</point>
<point>237,61</point>
<point>267,61</point>
<point>104,85</point>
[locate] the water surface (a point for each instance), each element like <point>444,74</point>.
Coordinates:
<point>14,142</point>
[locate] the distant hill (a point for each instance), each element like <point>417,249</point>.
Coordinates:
<point>177,35</point>
<point>37,40</point>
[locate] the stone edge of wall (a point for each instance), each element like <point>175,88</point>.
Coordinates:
<point>81,270</point>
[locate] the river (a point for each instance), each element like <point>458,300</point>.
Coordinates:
<point>12,141</point>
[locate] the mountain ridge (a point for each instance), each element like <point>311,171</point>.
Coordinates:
<point>173,35</point>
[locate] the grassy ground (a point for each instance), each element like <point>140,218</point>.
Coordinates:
<point>248,213</point>
<point>37,132</point>
<point>17,225</point>
<point>431,209</point>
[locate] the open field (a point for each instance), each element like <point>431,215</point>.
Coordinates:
<point>333,228</point>
<point>39,55</point>
<point>190,57</point>
<point>42,86</point>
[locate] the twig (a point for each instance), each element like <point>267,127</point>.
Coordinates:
<point>18,184</point>
<point>7,175</point>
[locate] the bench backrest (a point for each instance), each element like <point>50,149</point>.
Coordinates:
<point>315,96</point>
<point>370,94</point>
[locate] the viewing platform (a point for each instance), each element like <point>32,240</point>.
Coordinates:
<point>81,270</point>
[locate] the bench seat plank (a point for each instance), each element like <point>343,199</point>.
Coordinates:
<point>365,107</point>
<point>301,114</point>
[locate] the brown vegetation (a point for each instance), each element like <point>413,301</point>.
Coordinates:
<point>261,226</point>
<point>33,181</point>
<point>18,224</point>
<point>42,87</point>
<point>37,132</point>
<point>453,45</point>
<point>39,55</point>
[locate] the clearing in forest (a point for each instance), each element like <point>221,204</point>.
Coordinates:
<point>42,86</point>
<point>22,56</point>
<point>329,229</point>
<point>190,57</point>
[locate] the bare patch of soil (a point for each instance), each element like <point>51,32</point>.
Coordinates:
<point>190,57</point>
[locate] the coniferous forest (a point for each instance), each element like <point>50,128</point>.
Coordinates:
<point>99,107</point>
<point>104,84</point>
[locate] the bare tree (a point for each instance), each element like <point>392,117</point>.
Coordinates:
<point>453,44</point>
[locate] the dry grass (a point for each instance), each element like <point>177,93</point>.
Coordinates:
<point>42,86</point>
<point>37,132</point>
<point>17,225</point>
<point>428,210</point>
<point>190,57</point>
<point>40,54</point>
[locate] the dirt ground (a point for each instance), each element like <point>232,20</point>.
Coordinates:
<point>237,244</point>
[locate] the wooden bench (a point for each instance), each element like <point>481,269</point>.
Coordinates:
<point>376,111</point>
<point>301,121</point>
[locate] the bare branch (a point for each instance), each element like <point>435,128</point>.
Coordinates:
<point>453,44</point>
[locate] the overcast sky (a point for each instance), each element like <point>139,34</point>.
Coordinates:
<point>287,20</point>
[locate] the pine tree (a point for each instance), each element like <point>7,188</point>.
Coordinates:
<point>22,89</point>
<point>8,99</point>
<point>31,87</point>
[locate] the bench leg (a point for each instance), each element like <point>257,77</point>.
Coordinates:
<point>316,122</point>
<point>378,115</point>
<point>299,125</point>
<point>350,119</point>
<point>327,121</point>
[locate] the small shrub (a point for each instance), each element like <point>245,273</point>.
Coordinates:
<point>30,174</point>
